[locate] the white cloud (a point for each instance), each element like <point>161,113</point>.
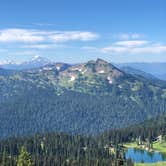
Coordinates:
<point>44,46</point>
<point>20,35</point>
<point>128,36</point>
<point>150,50</point>
<point>131,43</point>
<point>43,24</point>
<point>37,36</point>
<point>134,47</point>
<point>37,46</point>
<point>27,53</point>
<point>73,36</point>
<point>114,50</point>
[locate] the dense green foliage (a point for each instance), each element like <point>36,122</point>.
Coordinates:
<point>150,130</point>
<point>70,112</point>
<point>60,150</point>
<point>42,111</point>
<point>84,99</point>
<point>63,149</point>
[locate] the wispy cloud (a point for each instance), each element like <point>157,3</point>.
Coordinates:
<point>20,35</point>
<point>128,36</point>
<point>90,48</point>
<point>37,36</point>
<point>43,24</point>
<point>73,36</point>
<point>3,50</point>
<point>27,53</point>
<point>44,46</point>
<point>134,47</point>
<point>131,43</point>
<point>38,46</point>
<point>26,41</point>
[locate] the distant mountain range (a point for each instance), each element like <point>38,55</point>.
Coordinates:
<point>36,62</point>
<point>7,72</point>
<point>134,71</point>
<point>87,98</point>
<point>156,70</point>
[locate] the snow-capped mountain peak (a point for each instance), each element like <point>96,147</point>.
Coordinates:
<point>39,60</point>
<point>35,62</point>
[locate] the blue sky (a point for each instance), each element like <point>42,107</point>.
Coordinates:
<point>79,30</point>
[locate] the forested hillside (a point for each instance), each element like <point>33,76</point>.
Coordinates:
<point>60,150</point>
<point>87,98</point>
<point>149,129</point>
<point>63,149</point>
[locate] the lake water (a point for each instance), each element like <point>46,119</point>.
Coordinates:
<point>144,156</point>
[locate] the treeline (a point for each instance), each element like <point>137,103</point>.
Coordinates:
<point>61,150</point>
<point>76,150</point>
<point>150,130</point>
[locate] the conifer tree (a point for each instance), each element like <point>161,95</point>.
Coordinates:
<point>24,158</point>
<point>4,158</point>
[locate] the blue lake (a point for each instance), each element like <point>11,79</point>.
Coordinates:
<point>144,156</point>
